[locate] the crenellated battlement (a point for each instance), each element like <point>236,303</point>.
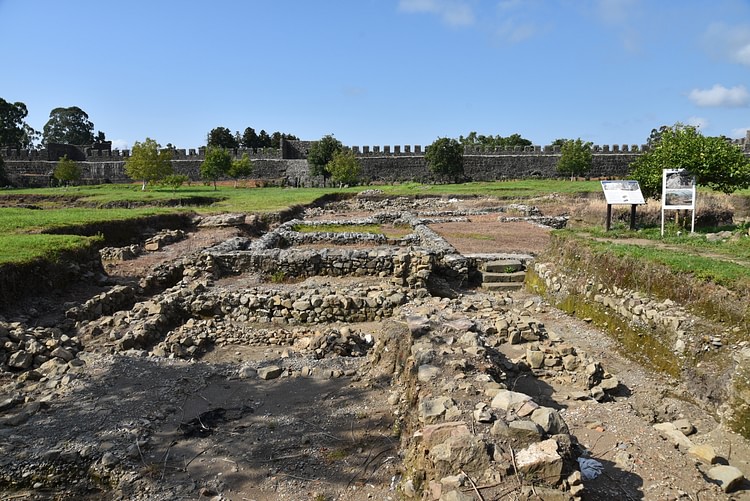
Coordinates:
<point>297,152</point>
<point>95,155</point>
<point>417,150</point>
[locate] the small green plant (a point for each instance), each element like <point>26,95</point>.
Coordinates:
<point>174,181</point>
<point>361,414</point>
<point>336,455</point>
<point>278,277</point>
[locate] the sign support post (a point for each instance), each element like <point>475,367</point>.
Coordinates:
<point>677,193</point>
<point>622,193</point>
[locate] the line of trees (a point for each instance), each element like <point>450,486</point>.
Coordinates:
<point>222,137</point>
<point>69,125</point>
<point>714,161</point>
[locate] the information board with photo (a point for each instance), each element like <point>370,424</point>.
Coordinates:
<point>622,192</point>
<point>677,193</point>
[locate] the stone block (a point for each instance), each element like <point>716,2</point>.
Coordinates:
<point>507,400</point>
<point>705,453</point>
<point>728,477</point>
<point>270,372</point>
<point>541,460</point>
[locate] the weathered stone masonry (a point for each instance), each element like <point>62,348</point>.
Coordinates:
<point>288,165</point>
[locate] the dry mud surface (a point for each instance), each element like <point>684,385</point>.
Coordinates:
<point>155,428</point>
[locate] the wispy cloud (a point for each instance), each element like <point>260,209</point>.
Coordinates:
<point>452,12</point>
<point>621,15</point>
<point>698,122</point>
<point>729,42</point>
<point>514,32</point>
<point>739,132</point>
<point>615,11</point>
<point>720,96</point>
<point>516,21</point>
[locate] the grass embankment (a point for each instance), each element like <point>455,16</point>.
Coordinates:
<point>710,278</point>
<point>21,229</point>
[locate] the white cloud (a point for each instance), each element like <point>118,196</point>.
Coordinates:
<point>739,132</point>
<point>718,95</point>
<point>698,122</point>
<point>120,144</point>
<point>730,42</point>
<point>515,32</point>
<point>452,12</point>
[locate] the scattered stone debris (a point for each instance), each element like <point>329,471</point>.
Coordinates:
<point>376,382</point>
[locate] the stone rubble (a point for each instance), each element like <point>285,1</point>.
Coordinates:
<point>462,422</point>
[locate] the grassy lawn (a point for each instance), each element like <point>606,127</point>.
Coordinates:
<point>20,227</point>
<point>20,240</point>
<point>390,231</point>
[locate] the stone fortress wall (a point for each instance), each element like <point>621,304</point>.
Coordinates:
<point>287,165</point>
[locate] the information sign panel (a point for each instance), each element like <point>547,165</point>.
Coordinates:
<point>622,192</point>
<point>677,193</point>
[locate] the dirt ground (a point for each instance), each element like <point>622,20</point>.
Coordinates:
<point>213,432</point>
<point>486,235</point>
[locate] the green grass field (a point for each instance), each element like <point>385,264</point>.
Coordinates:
<point>21,238</point>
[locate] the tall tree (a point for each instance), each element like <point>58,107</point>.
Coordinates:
<point>264,140</point>
<point>445,158</point>
<point>100,139</point>
<point>68,126</point>
<point>250,138</point>
<point>575,158</point>
<point>320,154</point>
<point>481,141</point>
<point>713,161</point>
<point>217,164</point>
<point>14,131</point>
<point>221,137</point>
<point>655,136</point>
<point>148,162</point>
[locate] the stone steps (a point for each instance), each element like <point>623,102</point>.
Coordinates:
<point>503,275</point>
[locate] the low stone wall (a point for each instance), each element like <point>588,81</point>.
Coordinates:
<point>410,262</point>
<point>148,323</point>
<point>634,307</point>
<point>667,338</point>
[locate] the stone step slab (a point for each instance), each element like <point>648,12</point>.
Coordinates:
<point>516,276</point>
<point>502,286</point>
<point>503,266</point>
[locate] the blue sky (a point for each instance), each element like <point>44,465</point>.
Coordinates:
<point>382,72</point>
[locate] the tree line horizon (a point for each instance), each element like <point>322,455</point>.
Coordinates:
<point>714,161</point>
